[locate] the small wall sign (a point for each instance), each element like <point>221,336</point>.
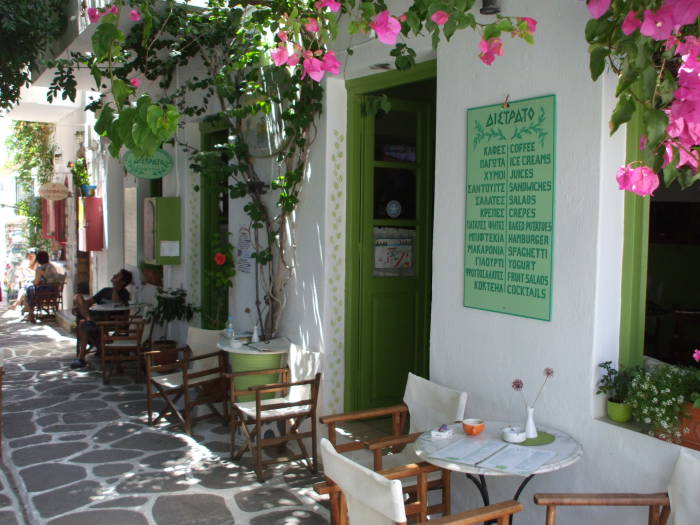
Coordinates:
<point>53,191</point>
<point>509,215</point>
<point>155,166</point>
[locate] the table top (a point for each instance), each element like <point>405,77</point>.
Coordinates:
<point>110,307</point>
<point>568,450</point>
<point>274,346</point>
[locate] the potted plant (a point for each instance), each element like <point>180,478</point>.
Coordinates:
<point>81,177</point>
<point>615,384</point>
<point>171,304</point>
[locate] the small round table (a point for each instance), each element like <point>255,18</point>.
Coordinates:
<point>568,451</point>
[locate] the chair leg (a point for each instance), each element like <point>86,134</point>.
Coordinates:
<point>551,515</point>
<point>258,451</point>
<point>446,490</point>
<point>149,401</point>
<point>233,428</point>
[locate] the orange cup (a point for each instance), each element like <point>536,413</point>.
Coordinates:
<point>473,427</point>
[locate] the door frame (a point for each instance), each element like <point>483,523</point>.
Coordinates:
<point>356,88</point>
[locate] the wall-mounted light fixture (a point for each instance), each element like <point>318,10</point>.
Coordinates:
<point>490,7</point>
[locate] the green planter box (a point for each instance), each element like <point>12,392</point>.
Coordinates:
<point>619,412</point>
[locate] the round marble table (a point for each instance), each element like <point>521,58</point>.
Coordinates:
<point>568,451</point>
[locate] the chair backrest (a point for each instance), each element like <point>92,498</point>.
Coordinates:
<point>202,341</point>
<point>430,405</point>
<point>303,364</point>
<point>371,498</point>
<point>683,489</point>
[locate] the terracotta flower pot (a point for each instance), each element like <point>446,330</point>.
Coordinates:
<point>619,412</point>
<point>691,439</point>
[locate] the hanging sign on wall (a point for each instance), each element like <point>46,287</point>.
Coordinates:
<point>510,207</point>
<point>154,166</point>
<point>53,191</point>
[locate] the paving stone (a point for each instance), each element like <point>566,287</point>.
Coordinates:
<point>121,502</point>
<point>117,431</point>
<point>36,478</point>
<point>134,408</point>
<point>287,517</point>
<point>114,469</point>
<point>78,405</point>
<point>8,517</point>
<point>32,440</point>
<point>43,365</point>
<point>68,498</point>
<point>51,419</point>
<point>103,517</point>
<point>194,509</point>
<point>265,498</point>
<point>300,476</point>
<point>106,414</point>
<point>154,482</point>
<point>5,501</point>
<point>18,394</point>
<point>54,429</point>
<point>18,424</point>
<point>89,395</point>
<point>42,453</point>
<point>106,456</point>
<point>125,396</point>
<point>70,389</point>
<point>167,459</point>
<point>135,388</point>
<point>223,476</point>
<point>218,446</point>
<point>32,404</point>
<point>73,437</point>
<point>151,441</point>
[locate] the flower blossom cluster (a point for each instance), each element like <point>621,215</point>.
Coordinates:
<point>683,130</point>
<point>94,14</point>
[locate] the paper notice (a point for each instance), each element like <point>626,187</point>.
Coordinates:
<point>515,459</point>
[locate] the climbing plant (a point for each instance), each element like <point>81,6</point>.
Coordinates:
<point>31,149</point>
<point>258,70</point>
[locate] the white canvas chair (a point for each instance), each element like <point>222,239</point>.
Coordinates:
<point>369,497</point>
<point>299,385</point>
<point>197,378</point>
<point>429,405</point>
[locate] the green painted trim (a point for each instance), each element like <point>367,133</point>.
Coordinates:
<point>634,263</point>
<point>390,79</point>
<point>355,158</point>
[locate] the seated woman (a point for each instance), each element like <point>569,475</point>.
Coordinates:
<point>45,276</point>
<point>25,277</point>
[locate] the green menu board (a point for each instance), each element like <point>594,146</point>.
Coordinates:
<point>510,207</point>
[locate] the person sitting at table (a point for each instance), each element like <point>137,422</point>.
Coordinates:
<point>25,277</point>
<point>87,330</point>
<point>45,276</point>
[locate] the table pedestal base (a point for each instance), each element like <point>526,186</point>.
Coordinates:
<point>480,483</point>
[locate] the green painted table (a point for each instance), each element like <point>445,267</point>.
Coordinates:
<point>245,359</point>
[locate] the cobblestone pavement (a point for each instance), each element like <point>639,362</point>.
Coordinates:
<point>78,452</point>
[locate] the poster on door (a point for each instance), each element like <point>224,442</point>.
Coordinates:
<point>509,219</point>
<point>393,251</point>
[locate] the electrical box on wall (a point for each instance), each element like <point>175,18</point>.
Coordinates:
<point>161,230</point>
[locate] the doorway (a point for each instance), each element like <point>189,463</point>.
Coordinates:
<point>389,239</point>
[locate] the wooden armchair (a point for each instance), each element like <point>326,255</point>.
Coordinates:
<point>122,341</point>
<point>197,378</point>
<point>378,498</point>
<point>659,504</point>
<point>427,405</point>
<point>47,301</point>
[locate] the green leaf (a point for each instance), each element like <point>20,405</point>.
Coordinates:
<point>670,173</point>
<point>648,81</point>
<point>153,117</point>
<point>623,113</point>
<point>121,91</point>
<point>413,21</point>
<point>597,30</point>
<point>449,28</point>
<point>505,25</point>
<point>106,35</point>
<point>104,121</point>
<point>491,31</point>
<point>597,61</point>
<point>656,122</point>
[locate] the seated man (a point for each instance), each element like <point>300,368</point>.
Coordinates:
<point>87,331</point>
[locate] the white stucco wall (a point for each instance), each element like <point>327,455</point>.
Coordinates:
<point>482,352</point>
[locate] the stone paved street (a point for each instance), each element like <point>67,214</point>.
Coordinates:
<point>78,452</point>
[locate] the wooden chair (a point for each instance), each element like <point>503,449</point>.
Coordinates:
<point>659,504</point>
<point>299,385</point>
<point>48,300</point>
<point>378,498</point>
<point>429,405</point>
<point>197,378</point>
<point>122,341</point>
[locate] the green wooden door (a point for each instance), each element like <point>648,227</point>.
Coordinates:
<point>394,228</point>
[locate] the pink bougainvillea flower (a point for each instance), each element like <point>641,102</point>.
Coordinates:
<point>440,17</point>
<point>331,64</point>
<point>293,60</point>
<point>220,259</point>
<point>330,4</point>
<point>135,82</point>
<point>641,180</point>
<point>403,17</point>
<point>490,49</point>
<point>696,355</point>
<point>631,23</point>
<point>282,35</point>
<point>657,25</point>
<point>134,15</point>
<point>387,27</point>
<point>311,26</point>
<point>598,8</point>
<point>93,15</point>
<point>531,23</point>
<point>114,10</point>
<point>314,68</point>
<point>280,55</point>
<point>684,12</point>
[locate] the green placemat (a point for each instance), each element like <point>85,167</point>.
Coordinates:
<point>543,438</point>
